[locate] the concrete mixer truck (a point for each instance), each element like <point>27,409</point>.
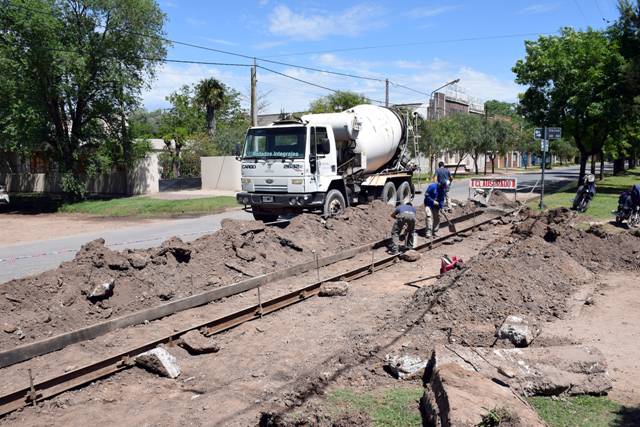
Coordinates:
<point>326,162</point>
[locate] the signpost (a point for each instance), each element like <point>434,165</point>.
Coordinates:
<point>544,135</point>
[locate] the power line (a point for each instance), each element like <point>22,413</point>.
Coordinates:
<point>408,88</point>
<point>586,21</point>
<point>442,41</point>
<point>308,82</point>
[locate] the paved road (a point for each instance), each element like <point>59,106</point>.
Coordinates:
<point>21,260</point>
<point>554,179</point>
<point>35,257</point>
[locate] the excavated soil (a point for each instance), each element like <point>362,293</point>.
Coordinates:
<point>532,272</point>
<point>60,300</point>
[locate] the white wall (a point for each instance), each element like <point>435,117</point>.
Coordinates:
<point>220,173</point>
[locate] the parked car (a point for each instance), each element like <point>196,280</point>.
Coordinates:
<point>4,196</point>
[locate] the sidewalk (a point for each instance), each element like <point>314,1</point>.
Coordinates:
<point>191,194</point>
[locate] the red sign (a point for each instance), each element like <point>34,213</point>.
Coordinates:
<point>499,183</point>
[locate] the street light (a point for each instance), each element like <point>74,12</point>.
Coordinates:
<point>452,82</point>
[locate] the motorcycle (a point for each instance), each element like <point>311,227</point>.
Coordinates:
<point>631,215</point>
<point>628,210</point>
<point>4,196</point>
<point>585,194</point>
<point>582,200</point>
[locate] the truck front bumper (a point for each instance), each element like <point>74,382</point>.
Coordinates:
<point>279,200</point>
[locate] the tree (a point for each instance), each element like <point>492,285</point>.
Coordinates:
<point>72,72</point>
<point>337,102</point>
<point>179,124</point>
<point>210,94</point>
<point>573,81</point>
<point>499,136</point>
<point>494,108</point>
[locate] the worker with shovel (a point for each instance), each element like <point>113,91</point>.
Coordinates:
<point>405,218</point>
<point>433,202</point>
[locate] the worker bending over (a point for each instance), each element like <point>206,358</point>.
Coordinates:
<point>444,179</point>
<point>433,202</point>
<point>405,218</point>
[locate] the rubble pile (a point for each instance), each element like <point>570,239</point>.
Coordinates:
<point>100,283</point>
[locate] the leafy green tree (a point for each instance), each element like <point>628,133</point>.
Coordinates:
<point>211,95</point>
<point>494,108</point>
<point>573,81</point>
<point>337,102</point>
<point>179,124</point>
<point>72,72</point>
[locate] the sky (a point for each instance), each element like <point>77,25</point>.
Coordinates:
<point>417,44</point>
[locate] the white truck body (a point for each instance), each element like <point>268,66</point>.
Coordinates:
<point>325,162</point>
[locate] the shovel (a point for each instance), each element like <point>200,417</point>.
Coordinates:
<point>452,227</point>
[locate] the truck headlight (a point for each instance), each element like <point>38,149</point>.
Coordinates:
<point>297,181</point>
<point>245,180</point>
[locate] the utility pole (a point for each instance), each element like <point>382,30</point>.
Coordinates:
<point>254,102</point>
<point>544,164</point>
<point>386,92</point>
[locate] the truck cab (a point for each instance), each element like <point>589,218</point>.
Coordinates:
<point>289,166</point>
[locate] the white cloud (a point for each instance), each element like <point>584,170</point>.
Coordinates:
<point>537,8</point>
<point>316,25</point>
<point>427,12</point>
<point>169,3</point>
<point>269,44</point>
<point>220,41</point>
<point>263,2</point>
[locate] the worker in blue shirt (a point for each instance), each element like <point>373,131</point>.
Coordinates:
<point>444,179</point>
<point>405,218</point>
<point>433,202</point>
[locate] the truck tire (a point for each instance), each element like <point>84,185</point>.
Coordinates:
<point>389,193</point>
<point>259,215</point>
<point>334,203</point>
<point>404,192</point>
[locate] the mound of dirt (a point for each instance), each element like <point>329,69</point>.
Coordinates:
<point>531,277</point>
<point>530,272</point>
<point>57,300</point>
<point>500,198</point>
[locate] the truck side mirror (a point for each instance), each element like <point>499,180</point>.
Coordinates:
<point>236,150</point>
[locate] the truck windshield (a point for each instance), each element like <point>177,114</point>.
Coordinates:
<point>277,142</point>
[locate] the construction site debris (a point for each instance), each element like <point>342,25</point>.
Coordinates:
<point>410,256</point>
<point>102,291</point>
<point>533,371</point>
<point>196,343</point>
<point>518,330</point>
<point>458,397</point>
<point>334,289</point>
<point>159,361</point>
<point>404,366</point>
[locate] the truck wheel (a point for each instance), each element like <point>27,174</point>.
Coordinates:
<point>263,216</point>
<point>404,192</point>
<point>389,193</point>
<point>334,203</point>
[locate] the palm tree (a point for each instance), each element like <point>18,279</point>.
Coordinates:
<point>210,94</point>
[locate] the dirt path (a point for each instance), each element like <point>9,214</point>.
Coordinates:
<point>612,324</point>
<point>261,363</point>
<point>21,228</point>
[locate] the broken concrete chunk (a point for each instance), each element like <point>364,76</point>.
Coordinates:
<point>546,371</point>
<point>102,291</point>
<point>196,343</point>
<point>159,361</point>
<point>410,256</point>
<point>176,247</point>
<point>9,328</point>
<point>517,330</point>
<point>457,397</point>
<point>405,366</point>
<point>334,289</point>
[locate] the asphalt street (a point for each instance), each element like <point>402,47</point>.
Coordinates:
<point>24,259</point>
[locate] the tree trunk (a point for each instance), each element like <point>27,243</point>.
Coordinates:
<point>211,121</point>
<point>528,159</point>
<point>601,165</point>
<point>493,164</point>
<point>593,164</point>
<point>455,171</point>
<point>618,166</point>
<point>475,163</point>
<point>583,166</point>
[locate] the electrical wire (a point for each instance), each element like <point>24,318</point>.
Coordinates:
<point>308,82</point>
<point>586,21</point>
